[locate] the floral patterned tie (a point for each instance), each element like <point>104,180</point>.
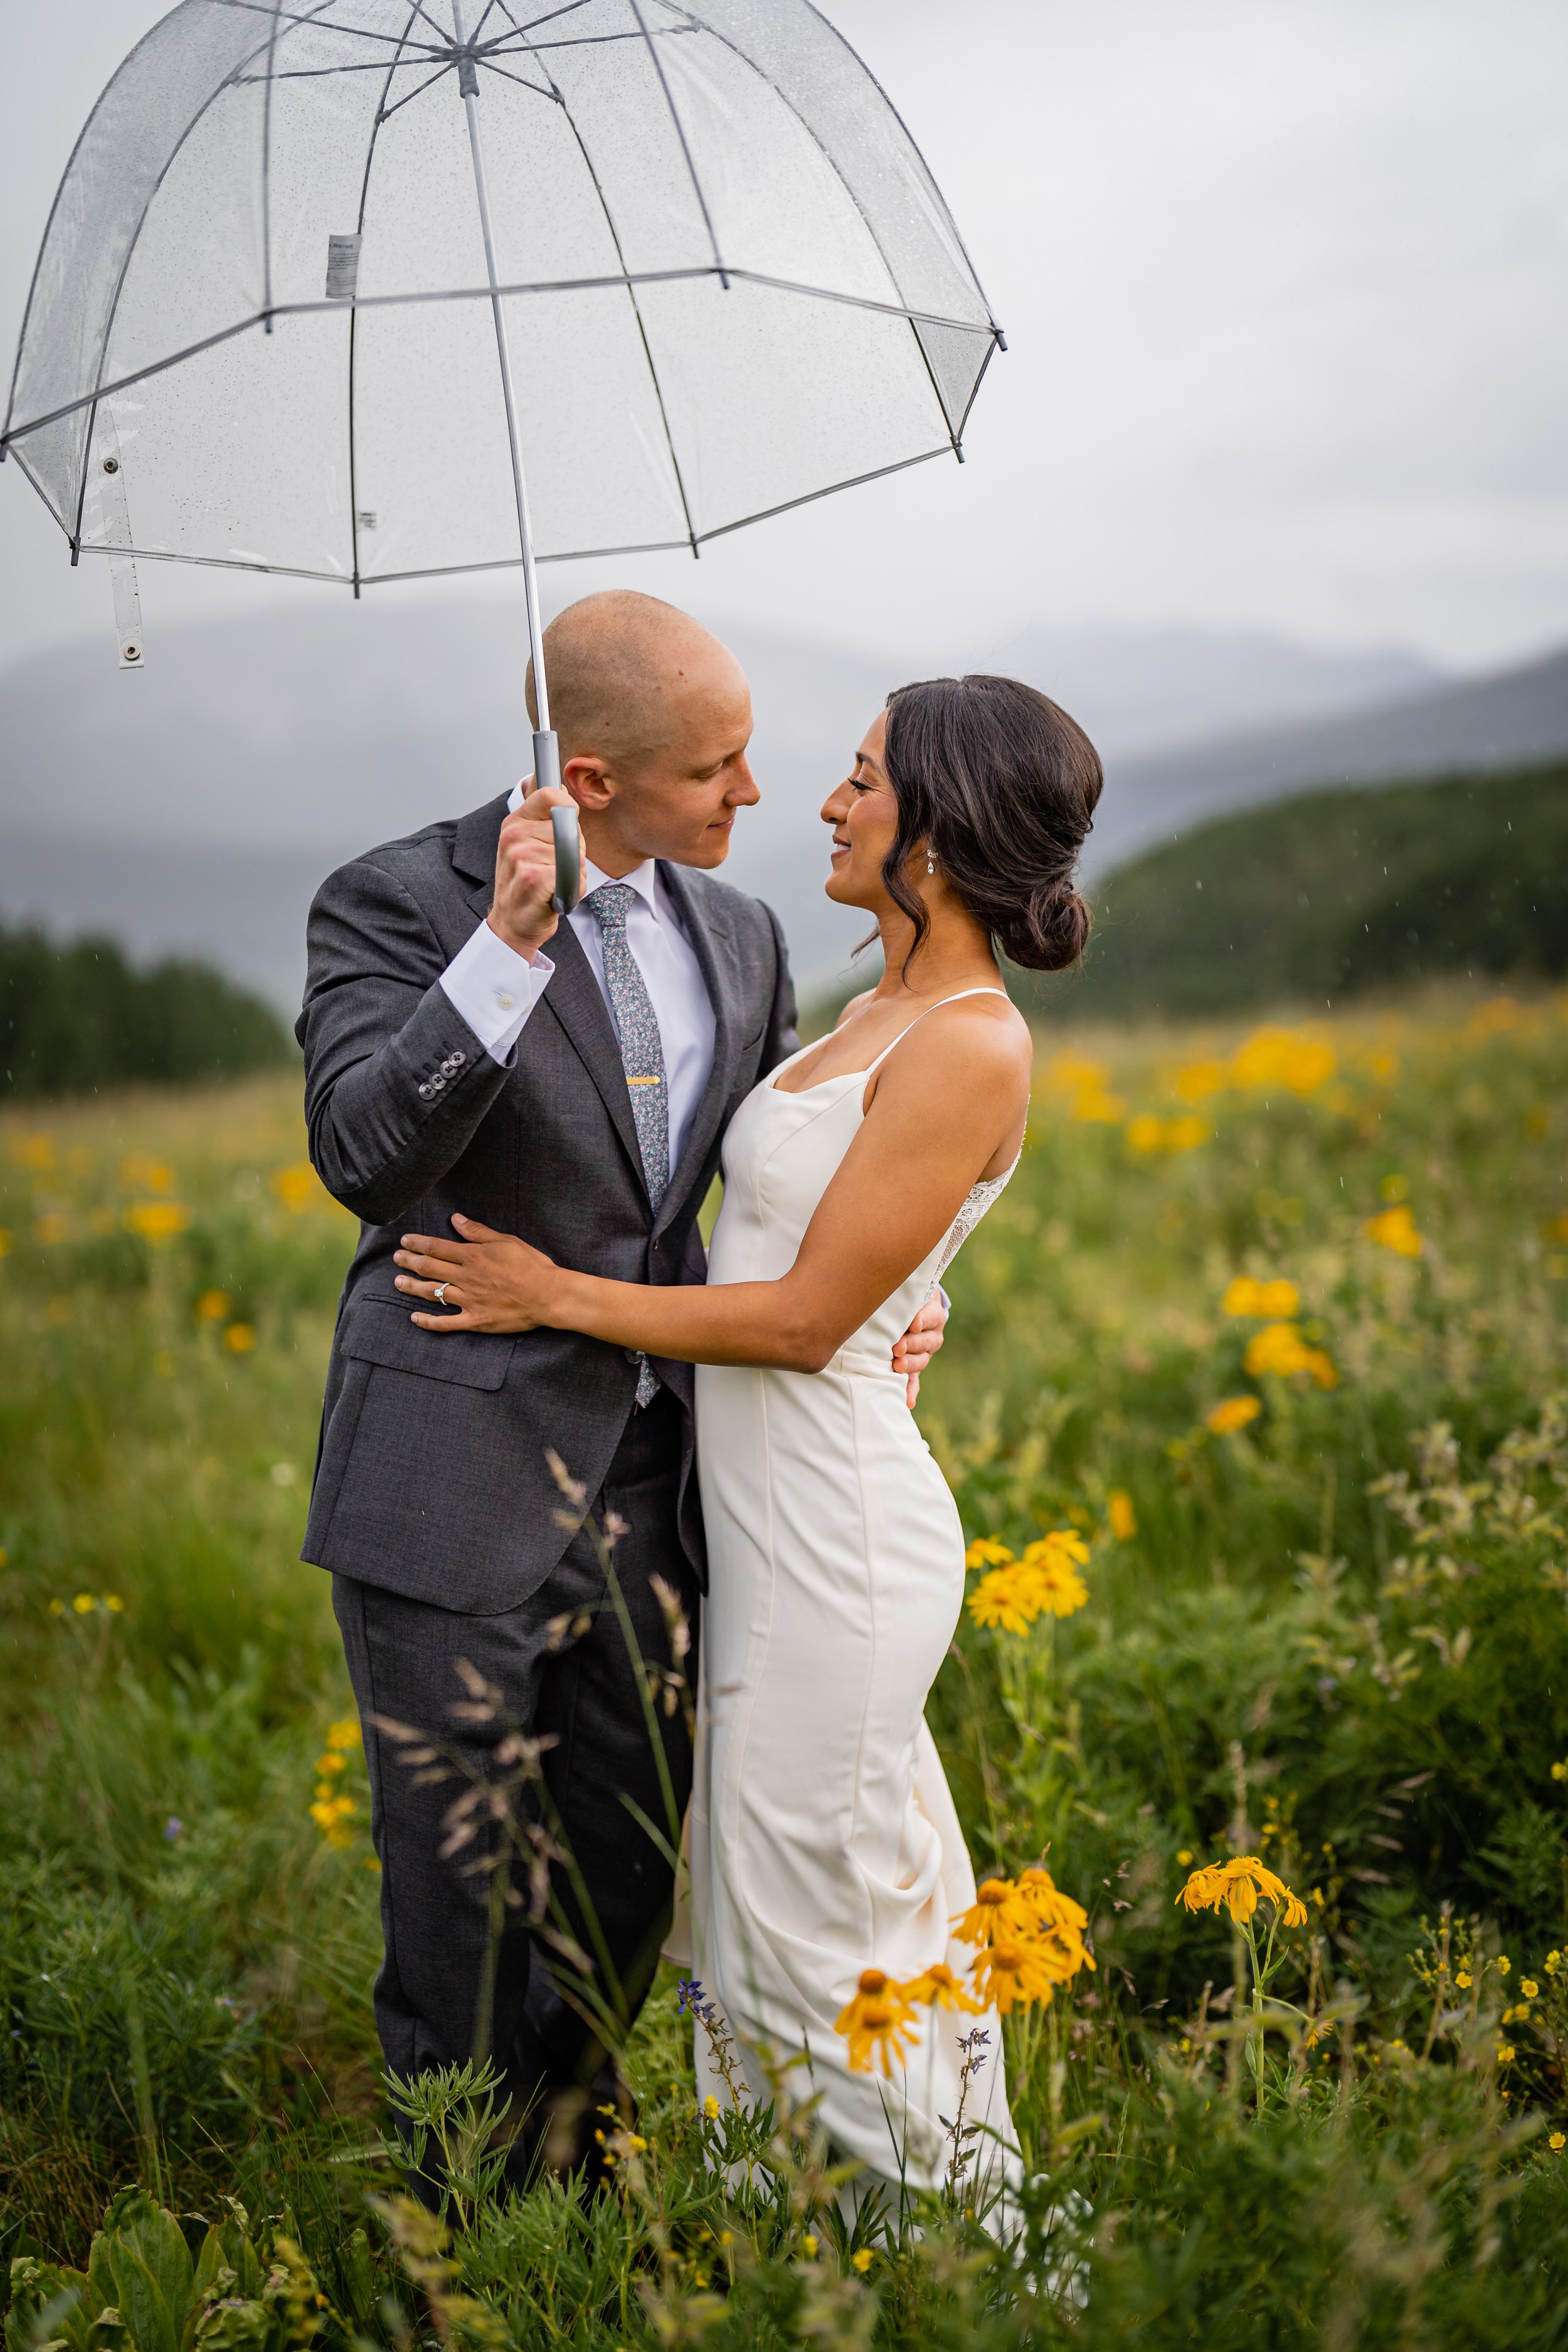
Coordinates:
<point>642,1056</point>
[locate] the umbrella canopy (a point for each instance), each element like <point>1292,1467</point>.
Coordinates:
<point>262,335</point>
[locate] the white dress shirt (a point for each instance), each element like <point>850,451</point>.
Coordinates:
<point>495,989</point>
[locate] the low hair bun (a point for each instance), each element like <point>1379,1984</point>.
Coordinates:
<point>1047,935</point>
<point>1001,786</point>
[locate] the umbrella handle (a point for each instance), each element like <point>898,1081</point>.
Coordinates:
<point>562,823</point>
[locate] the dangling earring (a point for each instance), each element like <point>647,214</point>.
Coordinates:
<point>931,863</point>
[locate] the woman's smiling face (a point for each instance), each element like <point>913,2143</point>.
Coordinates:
<point>864,814</point>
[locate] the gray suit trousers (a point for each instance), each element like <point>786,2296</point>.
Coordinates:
<point>562,1661</point>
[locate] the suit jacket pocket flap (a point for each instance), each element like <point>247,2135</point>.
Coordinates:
<point>378,1331</point>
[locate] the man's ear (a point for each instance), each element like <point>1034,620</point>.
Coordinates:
<point>587,782</point>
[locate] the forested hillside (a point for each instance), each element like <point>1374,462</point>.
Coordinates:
<point>78,1017</point>
<point>1324,896</point>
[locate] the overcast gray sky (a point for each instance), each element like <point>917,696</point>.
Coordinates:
<point>1284,285</point>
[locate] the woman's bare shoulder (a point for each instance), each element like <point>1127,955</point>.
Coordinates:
<point>982,1039</point>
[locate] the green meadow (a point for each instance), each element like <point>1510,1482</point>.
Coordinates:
<point>1272,1320</point>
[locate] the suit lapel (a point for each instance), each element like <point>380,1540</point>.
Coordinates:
<point>715,952</point>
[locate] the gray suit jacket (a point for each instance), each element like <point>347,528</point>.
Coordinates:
<point>431,1477</point>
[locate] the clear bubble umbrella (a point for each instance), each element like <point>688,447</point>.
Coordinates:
<point>363,290</point>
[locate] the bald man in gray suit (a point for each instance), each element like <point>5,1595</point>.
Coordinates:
<point>470,1055</point>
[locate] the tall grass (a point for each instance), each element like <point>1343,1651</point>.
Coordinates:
<point>1334,1636</point>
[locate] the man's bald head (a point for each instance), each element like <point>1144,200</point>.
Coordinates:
<point>654,717</point>
<point>626,673</point>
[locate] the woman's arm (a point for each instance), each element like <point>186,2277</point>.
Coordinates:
<point>944,1107</point>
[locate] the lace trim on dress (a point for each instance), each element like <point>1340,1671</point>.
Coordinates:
<point>979,1197</point>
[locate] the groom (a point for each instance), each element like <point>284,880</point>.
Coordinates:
<point>569,1081</point>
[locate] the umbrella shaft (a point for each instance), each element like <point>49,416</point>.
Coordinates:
<point>520,485</point>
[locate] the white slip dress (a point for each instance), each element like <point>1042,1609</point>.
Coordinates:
<point>824,1840</point>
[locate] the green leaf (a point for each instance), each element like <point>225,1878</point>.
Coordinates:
<point>143,2307</point>
<point>234,2325</point>
<point>215,2275</point>
<point>359,2278</point>
<point>158,2241</point>
<point>101,2274</point>
<point>47,2304</point>
<point>242,2259</point>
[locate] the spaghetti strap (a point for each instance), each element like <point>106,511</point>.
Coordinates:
<point>957,996</point>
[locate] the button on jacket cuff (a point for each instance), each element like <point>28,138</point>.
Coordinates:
<point>495,989</point>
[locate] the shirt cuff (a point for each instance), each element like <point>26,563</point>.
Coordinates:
<point>495,990</point>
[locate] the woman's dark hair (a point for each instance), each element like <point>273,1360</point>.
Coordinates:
<point>999,786</point>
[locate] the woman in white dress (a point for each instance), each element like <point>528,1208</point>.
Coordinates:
<point>824,1840</point>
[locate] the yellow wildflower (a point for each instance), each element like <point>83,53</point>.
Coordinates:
<point>1003,1598</point>
<point>85,1603</point>
<point>1231,1415</point>
<point>1395,1229</point>
<point>1100,1109</point>
<point>1530,1988</point>
<point>157,1221</point>
<point>296,1186</point>
<point>1557,2143</point>
<point>1560,1771</point>
<point>808,2242</point>
<point>1292,1059</point>
<point>36,1151</point>
<point>1198,1080</point>
<point>1505,2053</point>
<point>1045,1579</point>
<point>1504,1964</point>
<point>878,2023</point>
<point>1014,1975</point>
<point>710,2107</point>
<point>147,1174</point>
<point>213,1306</point>
<point>345,1734</point>
<point>1086,1083</point>
<point>986,1553</point>
<point>1553,1962</point>
<point>1237,1886</point>
<point>1054,1560</point>
<point>1043,1899</point>
<point>50,1229</point>
<point>239,1338</point>
<point>993,1912</point>
<point>862,2260</point>
<point>1280,1349</point>
<point>1123,1516</point>
<point>1146,1134</point>
<point>1184,1857</point>
<point>1032,1920</point>
<point>938,1988</point>
<point>1263,1300</point>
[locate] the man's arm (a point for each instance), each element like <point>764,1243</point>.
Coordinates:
<point>405,1052</point>
<point>395,1080</point>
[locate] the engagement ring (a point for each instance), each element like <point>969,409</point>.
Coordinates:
<point>440,1294</point>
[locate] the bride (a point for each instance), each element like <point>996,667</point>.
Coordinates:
<point>824,1840</point>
